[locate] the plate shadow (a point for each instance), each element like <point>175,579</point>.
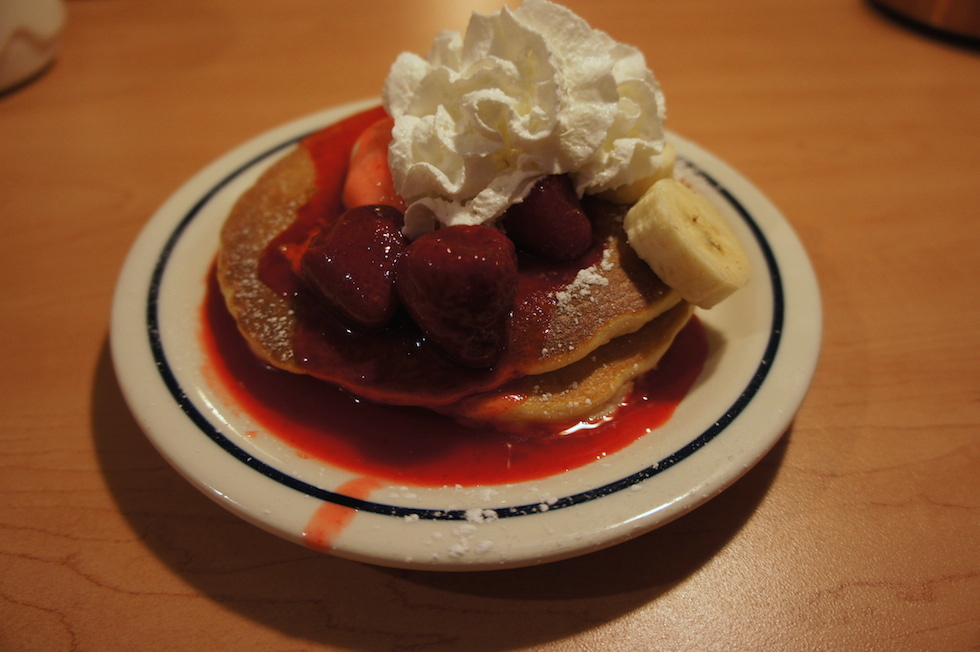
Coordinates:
<point>312,596</point>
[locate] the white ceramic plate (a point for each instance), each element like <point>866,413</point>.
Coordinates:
<point>764,341</point>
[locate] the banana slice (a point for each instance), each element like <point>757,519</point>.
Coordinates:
<point>687,243</point>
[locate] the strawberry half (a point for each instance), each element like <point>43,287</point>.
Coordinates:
<point>459,284</point>
<point>351,265</point>
<point>369,177</point>
<point>550,222</point>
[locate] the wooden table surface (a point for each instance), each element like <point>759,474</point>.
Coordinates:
<point>859,531</point>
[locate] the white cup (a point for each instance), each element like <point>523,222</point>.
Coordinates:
<point>30,32</point>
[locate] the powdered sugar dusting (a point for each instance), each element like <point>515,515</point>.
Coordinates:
<point>263,315</point>
<point>569,300</point>
<point>584,281</point>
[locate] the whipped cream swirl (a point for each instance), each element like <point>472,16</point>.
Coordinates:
<point>523,94</point>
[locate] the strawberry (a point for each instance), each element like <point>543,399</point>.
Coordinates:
<point>550,222</point>
<point>369,177</point>
<point>458,284</point>
<point>351,264</point>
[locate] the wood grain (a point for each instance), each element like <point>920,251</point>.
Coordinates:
<point>858,532</point>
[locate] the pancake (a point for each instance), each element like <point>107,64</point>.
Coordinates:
<point>584,390</point>
<point>265,318</point>
<point>563,314</point>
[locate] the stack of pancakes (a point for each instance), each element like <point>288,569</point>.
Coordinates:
<point>573,354</point>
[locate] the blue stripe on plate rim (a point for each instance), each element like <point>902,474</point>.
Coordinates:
<point>207,428</point>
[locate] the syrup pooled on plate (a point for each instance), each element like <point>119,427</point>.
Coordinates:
<point>416,446</point>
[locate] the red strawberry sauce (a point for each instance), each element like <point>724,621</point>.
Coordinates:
<point>415,446</point>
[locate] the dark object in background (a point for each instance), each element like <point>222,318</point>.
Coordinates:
<point>958,17</point>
